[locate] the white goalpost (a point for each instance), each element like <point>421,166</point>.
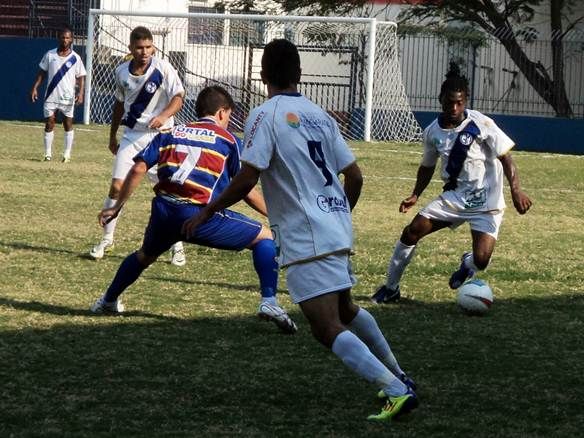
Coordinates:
<point>350,66</point>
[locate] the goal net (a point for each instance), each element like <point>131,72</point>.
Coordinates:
<point>350,67</point>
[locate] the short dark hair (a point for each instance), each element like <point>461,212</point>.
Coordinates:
<point>64,29</point>
<point>454,81</point>
<point>211,99</point>
<point>140,33</point>
<point>281,63</point>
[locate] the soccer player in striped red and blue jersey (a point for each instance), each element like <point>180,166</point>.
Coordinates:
<point>474,155</point>
<point>195,163</point>
<point>65,75</point>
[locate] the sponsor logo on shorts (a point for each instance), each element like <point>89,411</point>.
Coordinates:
<point>150,87</point>
<point>331,204</point>
<point>293,120</point>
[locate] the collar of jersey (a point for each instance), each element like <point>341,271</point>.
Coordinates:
<point>455,128</point>
<point>206,120</point>
<point>145,70</point>
<point>288,94</point>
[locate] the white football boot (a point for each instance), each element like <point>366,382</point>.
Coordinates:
<point>101,306</point>
<point>98,251</point>
<point>276,314</point>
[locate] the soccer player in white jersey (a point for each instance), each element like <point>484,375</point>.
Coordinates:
<point>474,154</point>
<point>298,151</point>
<point>65,75</point>
<point>148,94</point>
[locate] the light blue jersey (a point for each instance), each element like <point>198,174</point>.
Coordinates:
<point>300,151</point>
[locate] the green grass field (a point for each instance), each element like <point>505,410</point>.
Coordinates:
<point>190,358</point>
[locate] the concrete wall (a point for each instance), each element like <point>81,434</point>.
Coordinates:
<point>21,57</point>
<point>539,134</point>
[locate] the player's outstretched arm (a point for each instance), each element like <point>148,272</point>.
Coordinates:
<point>40,77</point>
<point>521,201</point>
<point>132,181</point>
<point>238,188</point>
<point>171,109</point>
<point>423,178</point>
<point>256,201</point>
<point>117,114</point>
<point>353,183</point>
<point>80,90</point>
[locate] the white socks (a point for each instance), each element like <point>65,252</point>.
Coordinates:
<point>355,355</point>
<point>109,228</point>
<point>48,142</point>
<point>402,255</point>
<point>68,143</point>
<point>366,328</point>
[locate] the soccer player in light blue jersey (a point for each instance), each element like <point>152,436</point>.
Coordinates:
<point>195,163</point>
<point>65,75</point>
<point>148,94</point>
<point>297,150</point>
<point>474,154</point>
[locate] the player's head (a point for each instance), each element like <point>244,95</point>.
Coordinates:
<point>214,101</point>
<point>65,37</point>
<point>453,94</point>
<point>281,64</point>
<point>141,45</point>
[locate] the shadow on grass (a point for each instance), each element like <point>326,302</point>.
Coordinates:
<point>36,306</point>
<point>214,376</point>
<point>56,250</point>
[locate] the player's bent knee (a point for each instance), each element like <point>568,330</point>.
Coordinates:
<point>145,260</point>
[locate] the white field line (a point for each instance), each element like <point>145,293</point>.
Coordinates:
<point>42,126</point>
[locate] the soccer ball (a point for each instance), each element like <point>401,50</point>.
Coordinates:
<point>475,297</point>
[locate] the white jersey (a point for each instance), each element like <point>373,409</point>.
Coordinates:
<point>300,151</point>
<point>145,96</point>
<point>62,74</point>
<point>470,168</point>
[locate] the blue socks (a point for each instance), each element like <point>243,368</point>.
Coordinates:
<point>266,266</point>
<point>128,273</point>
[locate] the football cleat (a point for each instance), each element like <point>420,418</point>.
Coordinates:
<point>462,274</point>
<point>66,160</point>
<point>98,251</point>
<point>177,256</point>
<point>396,407</point>
<point>406,381</point>
<point>386,295</point>
<point>274,313</point>
<point>47,158</point>
<point>103,307</point>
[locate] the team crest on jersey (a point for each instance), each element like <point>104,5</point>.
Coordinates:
<point>466,139</point>
<point>293,120</point>
<point>150,87</point>
<point>68,64</point>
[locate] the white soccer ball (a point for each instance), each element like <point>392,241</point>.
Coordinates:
<point>475,297</point>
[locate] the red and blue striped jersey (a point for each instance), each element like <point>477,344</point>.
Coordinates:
<point>195,162</point>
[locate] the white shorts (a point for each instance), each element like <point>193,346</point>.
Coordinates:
<point>487,222</point>
<point>132,142</point>
<point>49,108</point>
<point>318,277</point>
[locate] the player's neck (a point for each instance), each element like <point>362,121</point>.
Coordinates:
<point>273,90</point>
<point>139,69</point>
<point>63,51</point>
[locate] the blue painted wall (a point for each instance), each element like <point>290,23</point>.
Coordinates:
<point>21,57</point>
<point>539,134</point>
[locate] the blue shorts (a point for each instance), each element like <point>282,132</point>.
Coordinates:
<point>225,230</point>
